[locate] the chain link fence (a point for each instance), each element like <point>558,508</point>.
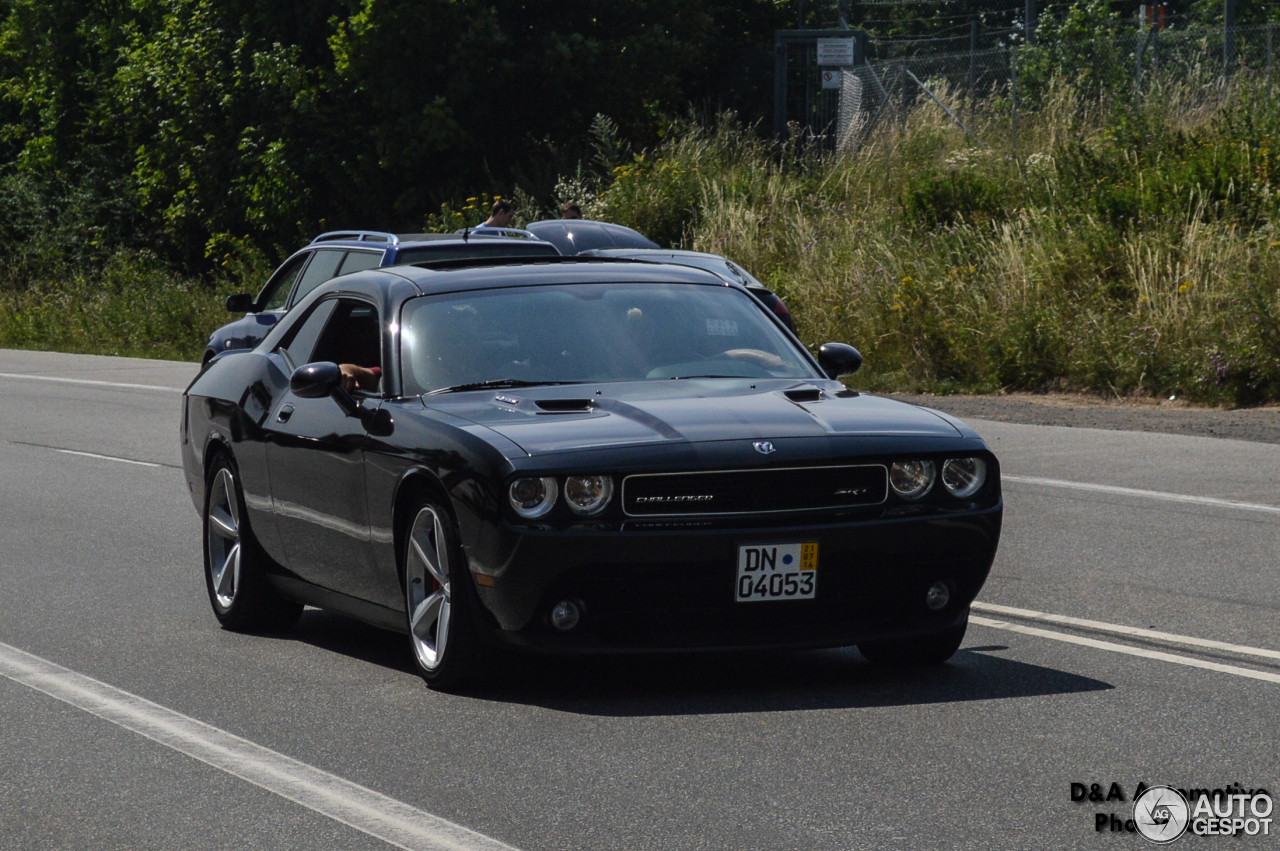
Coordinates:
<point>998,69</point>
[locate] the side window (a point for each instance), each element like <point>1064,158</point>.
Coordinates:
<point>353,335</point>
<point>301,341</point>
<point>276,292</point>
<point>358,261</point>
<point>323,266</point>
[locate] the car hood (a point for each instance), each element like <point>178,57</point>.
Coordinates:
<point>543,420</point>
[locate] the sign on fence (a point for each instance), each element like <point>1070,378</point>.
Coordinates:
<point>831,78</point>
<point>834,52</point>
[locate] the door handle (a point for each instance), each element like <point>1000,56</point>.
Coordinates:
<point>285,413</point>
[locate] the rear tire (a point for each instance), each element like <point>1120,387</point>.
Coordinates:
<point>439,604</point>
<point>917,650</point>
<point>234,564</point>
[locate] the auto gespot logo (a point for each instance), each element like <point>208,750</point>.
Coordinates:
<point>1162,814</point>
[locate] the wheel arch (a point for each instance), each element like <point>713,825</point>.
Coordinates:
<point>215,443</point>
<point>413,485</point>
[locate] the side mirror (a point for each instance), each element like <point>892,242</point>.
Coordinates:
<point>240,303</point>
<point>838,360</point>
<point>315,380</point>
<point>320,379</point>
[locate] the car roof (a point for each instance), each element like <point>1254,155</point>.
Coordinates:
<point>697,259</point>
<point>572,236</point>
<point>638,253</point>
<point>519,271</point>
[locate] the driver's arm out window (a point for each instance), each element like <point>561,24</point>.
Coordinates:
<point>353,336</point>
<point>300,343</point>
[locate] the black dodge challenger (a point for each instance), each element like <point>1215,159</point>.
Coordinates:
<point>579,456</point>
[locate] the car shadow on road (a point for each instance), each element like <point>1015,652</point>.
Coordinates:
<point>711,684</point>
<point>772,682</point>
<point>339,634</point>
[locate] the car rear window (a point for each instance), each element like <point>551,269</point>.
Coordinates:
<point>358,261</point>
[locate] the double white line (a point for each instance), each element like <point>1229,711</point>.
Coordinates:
<point>1131,632</point>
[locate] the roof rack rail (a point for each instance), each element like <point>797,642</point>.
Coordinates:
<point>358,236</point>
<point>489,230</point>
<point>516,260</point>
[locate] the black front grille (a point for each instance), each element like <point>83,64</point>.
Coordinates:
<point>754,491</point>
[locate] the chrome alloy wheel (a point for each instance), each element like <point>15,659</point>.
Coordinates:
<point>224,540</point>
<point>427,589</point>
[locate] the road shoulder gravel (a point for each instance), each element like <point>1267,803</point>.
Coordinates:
<point>1261,425</point>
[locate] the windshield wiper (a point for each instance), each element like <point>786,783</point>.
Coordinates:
<point>681,377</point>
<point>498,383</point>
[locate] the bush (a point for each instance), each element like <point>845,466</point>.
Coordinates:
<point>1127,251</point>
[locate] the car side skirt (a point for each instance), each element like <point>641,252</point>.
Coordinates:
<point>332,601</point>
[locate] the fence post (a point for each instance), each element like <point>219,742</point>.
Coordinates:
<point>973,56</point>
<point>1155,46</point>
<point>1137,66</point>
<point>1228,35</point>
<point>779,87</point>
<point>1013,93</point>
<point>1270,27</point>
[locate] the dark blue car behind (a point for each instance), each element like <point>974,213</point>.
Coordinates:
<point>332,255</point>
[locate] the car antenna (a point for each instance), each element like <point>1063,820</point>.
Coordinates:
<point>466,232</point>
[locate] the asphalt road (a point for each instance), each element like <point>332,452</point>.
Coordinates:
<point>100,573</point>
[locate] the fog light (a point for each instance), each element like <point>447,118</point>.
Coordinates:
<point>565,615</point>
<point>938,596</point>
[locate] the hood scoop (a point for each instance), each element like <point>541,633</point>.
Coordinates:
<point>564,406</point>
<point>804,394</point>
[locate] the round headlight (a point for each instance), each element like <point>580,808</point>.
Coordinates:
<point>964,476</point>
<point>911,479</point>
<point>588,494</point>
<point>532,497</point>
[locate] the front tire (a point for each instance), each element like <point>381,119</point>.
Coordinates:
<point>234,565</point>
<point>437,600</point>
<point>916,651</point>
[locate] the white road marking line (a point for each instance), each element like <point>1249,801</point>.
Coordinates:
<point>1168,497</point>
<point>91,381</point>
<point>107,457</point>
<point>1266,676</point>
<point>365,810</point>
<point>1119,629</point>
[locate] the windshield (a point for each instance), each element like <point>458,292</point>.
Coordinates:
<point>591,333</point>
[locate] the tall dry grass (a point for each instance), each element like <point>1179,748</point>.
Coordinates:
<point>1127,248</point>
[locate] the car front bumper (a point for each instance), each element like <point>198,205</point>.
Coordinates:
<point>670,587</point>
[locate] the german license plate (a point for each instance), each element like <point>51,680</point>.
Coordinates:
<point>776,572</point>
